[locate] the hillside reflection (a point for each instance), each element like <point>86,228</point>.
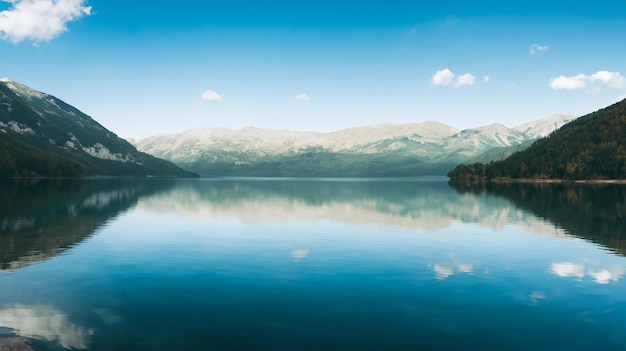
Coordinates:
<point>592,212</point>
<point>41,219</point>
<point>422,204</point>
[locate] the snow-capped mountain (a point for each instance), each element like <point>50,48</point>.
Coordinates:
<point>428,148</point>
<point>41,135</point>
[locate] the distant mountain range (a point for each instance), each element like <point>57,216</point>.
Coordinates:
<point>391,150</point>
<point>591,147</point>
<point>43,136</point>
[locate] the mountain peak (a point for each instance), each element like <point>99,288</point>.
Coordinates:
<point>41,135</point>
<point>544,127</point>
<point>493,126</point>
<point>23,90</point>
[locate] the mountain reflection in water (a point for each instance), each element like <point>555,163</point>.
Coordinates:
<point>427,204</point>
<point>284,264</point>
<point>595,212</point>
<point>40,219</point>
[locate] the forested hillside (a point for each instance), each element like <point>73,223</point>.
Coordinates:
<point>21,160</point>
<point>591,147</point>
<point>42,136</point>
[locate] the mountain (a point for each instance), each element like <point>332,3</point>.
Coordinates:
<point>543,127</point>
<point>41,135</point>
<point>591,147</point>
<point>397,150</point>
<point>500,153</point>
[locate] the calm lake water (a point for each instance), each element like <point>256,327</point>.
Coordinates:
<point>288,264</point>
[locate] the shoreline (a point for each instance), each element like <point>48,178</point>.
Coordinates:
<point>543,181</point>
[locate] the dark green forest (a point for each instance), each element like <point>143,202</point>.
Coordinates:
<point>21,160</point>
<point>591,147</point>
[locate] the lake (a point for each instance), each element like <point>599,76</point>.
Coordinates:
<point>310,264</point>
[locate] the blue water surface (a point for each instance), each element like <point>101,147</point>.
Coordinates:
<point>305,265</point>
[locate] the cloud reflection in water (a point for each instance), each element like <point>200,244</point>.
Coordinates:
<point>601,274</point>
<point>45,323</point>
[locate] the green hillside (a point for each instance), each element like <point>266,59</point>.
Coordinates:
<point>500,153</point>
<point>21,160</point>
<point>591,147</point>
<point>316,162</point>
<point>42,136</point>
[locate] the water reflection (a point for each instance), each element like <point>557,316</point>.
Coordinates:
<point>445,270</point>
<point>592,212</point>
<point>423,204</point>
<point>41,219</point>
<point>300,254</point>
<point>601,274</point>
<point>45,323</point>
<point>537,296</point>
<point>331,265</point>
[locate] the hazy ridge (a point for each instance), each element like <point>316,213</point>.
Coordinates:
<point>428,148</point>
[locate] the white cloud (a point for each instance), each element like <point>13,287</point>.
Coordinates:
<point>613,80</point>
<point>465,79</point>
<point>569,83</point>
<point>446,77</point>
<point>538,48</point>
<point>486,79</point>
<point>443,77</point>
<point>302,97</point>
<point>211,95</point>
<point>39,20</point>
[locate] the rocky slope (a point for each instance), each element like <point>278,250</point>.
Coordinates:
<point>43,136</point>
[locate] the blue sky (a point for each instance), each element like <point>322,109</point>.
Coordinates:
<point>149,67</point>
